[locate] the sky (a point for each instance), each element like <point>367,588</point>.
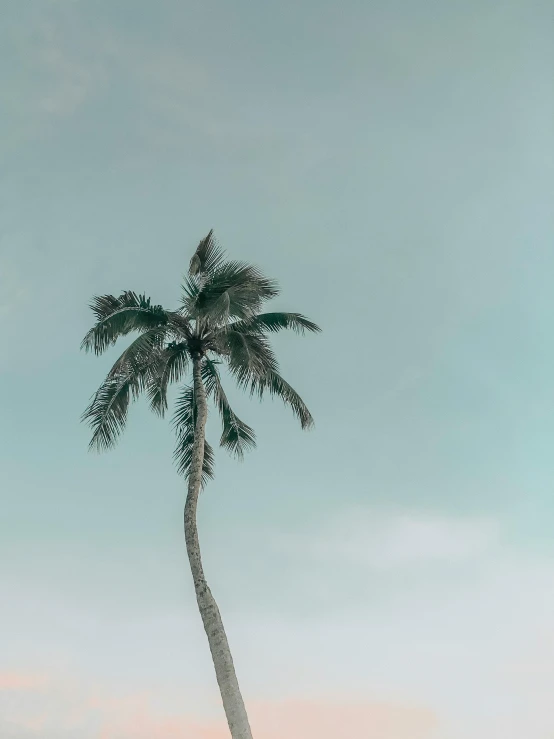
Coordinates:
<point>388,575</point>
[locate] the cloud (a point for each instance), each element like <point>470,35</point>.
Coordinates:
<point>9,730</point>
<point>56,74</point>
<point>65,62</point>
<point>316,719</point>
<point>299,719</point>
<point>95,714</point>
<point>479,650</point>
<point>132,717</point>
<point>475,655</point>
<point>21,681</point>
<point>472,648</point>
<point>384,540</point>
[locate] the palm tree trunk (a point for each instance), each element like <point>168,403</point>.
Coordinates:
<point>233,704</point>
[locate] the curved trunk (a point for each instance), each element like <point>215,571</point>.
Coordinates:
<point>211,618</point>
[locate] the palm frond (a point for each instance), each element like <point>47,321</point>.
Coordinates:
<point>237,436</point>
<point>273,322</point>
<point>273,383</point>
<point>233,290</point>
<point>190,290</point>
<point>119,316</point>
<point>249,355</point>
<point>207,257</point>
<point>184,422</point>
<point>179,326</point>
<point>107,413</point>
<point>169,366</point>
<point>220,315</point>
<point>143,350</point>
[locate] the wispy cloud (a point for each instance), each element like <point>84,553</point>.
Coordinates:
<point>158,93</point>
<point>55,74</point>
<point>329,719</point>
<point>391,540</point>
<point>21,681</point>
<point>465,649</point>
<point>298,719</point>
<point>96,715</point>
<point>63,63</point>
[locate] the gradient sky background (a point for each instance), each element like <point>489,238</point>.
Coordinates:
<point>390,575</point>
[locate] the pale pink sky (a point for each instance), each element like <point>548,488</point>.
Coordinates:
<point>40,706</point>
<point>459,646</point>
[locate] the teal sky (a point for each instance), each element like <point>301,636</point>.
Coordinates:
<point>392,165</point>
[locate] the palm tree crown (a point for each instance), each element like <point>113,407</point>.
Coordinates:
<point>218,322</point>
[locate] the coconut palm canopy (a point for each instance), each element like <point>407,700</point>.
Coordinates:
<point>220,321</point>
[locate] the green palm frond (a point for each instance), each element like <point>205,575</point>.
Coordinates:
<point>207,257</point>
<point>249,355</point>
<point>233,290</point>
<point>169,366</point>
<point>190,289</point>
<point>273,383</point>
<point>237,436</point>
<point>220,318</point>
<point>184,422</point>
<point>140,352</point>
<point>273,322</point>
<point>107,413</point>
<point>179,326</point>
<point>117,317</point>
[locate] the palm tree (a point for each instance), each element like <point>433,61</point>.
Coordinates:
<point>218,322</point>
